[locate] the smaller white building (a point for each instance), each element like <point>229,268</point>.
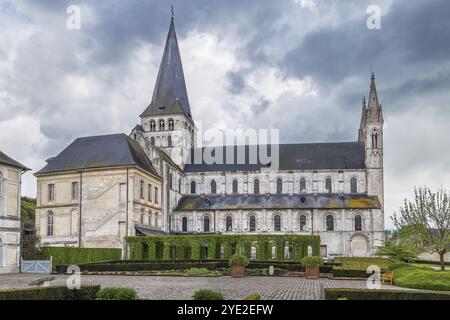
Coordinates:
<point>10,227</point>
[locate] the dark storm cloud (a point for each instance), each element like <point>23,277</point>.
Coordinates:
<point>47,76</point>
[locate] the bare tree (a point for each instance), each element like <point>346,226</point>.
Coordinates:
<point>425,221</point>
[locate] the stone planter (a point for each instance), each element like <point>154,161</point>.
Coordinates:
<point>238,271</point>
<point>312,272</point>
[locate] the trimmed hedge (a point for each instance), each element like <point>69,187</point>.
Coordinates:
<point>342,273</point>
<point>157,265</point>
<point>51,293</point>
<point>76,256</point>
<point>205,294</point>
<point>198,247</point>
<point>117,294</point>
<point>381,294</point>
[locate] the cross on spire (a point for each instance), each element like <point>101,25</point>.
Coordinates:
<point>171,11</point>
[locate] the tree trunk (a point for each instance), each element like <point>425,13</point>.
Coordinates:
<point>442,260</point>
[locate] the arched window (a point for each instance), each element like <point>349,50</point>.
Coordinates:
<point>358,223</point>
<point>302,222</point>
<point>152,125</point>
<point>169,141</point>
<point>193,187</point>
<point>141,220</point>
<point>171,124</point>
<point>235,186</point>
<point>328,186</point>
<point>256,186</point>
<point>150,218</point>
<point>152,141</point>
<point>252,223</point>
<point>353,185</point>
<point>229,223</point>
<point>279,185</point>
<point>206,223</point>
<point>213,187</point>
<point>277,223</point>
<point>375,139</point>
<point>162,125</point>
<point>50,224</point>
<point>330,222</point>
<point>184,224</point>
<point>302,185</point>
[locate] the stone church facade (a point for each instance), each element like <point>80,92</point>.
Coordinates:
<point>334,190</point>
<point>10,226</point>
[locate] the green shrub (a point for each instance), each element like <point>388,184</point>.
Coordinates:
<point>253,296</point>
<point>398,252</point>
<point>73,255</point>
<point>117,294</point>
<point>312,261</point>
<point>197,271</point>
<point>205,294</point>
<point>382,294</point>
<point>50,293</point>
<point>238,260</point>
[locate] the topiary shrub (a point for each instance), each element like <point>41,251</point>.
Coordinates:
<point>238,260</point>
<point>205,294</point>
<point>116,294</point>
<point>253,296</point>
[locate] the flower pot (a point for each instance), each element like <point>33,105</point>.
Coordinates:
<point>312,272</point>
<point>237,271</point>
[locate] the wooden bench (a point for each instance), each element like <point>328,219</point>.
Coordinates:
<point>387,276</point>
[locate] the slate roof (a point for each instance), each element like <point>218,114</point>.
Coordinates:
<point>143,231</point>
<point>4,159</point>
<point>170,94</point>
<point>100,151</point>
<point>308,156</point>
<point>278,201</point>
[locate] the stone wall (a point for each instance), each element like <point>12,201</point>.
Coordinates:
<point>10,181</point>
<point>110,201</point>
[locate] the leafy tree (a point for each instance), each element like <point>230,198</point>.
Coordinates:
<point>399,252</point>
<point>425,221</point>
<point>28,212</point>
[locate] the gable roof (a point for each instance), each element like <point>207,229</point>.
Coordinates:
<point>170,93</point>
<point>307,156</point>
<point>4,159</point>
<point>278,201</point>
<point>100,151</point>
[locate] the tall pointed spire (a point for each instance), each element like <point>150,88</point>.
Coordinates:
<point>170,94</point>
<point>373,105</point>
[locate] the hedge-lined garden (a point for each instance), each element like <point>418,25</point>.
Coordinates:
<point>199,247</point>
<point>74,255</point>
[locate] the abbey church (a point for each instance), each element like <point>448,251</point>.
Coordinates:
<point>101,189</point>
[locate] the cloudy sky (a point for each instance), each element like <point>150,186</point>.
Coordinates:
<point>297,65</point>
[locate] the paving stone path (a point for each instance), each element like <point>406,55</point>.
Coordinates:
<point>177,288</point>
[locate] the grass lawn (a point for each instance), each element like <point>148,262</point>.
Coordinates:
<point>421,277</point>
<point>362,263</point>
